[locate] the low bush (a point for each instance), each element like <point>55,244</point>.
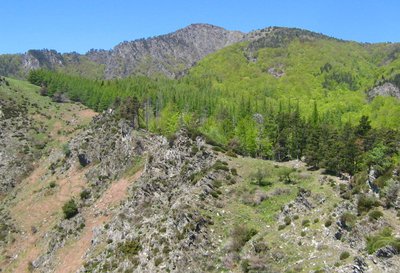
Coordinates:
<point>305,223</point>
<point>240,236</point>
<point>344,255</point>
<point>85,194</point>
<point>375,215</point>
<point>70,209</point>
<point>280,227</point>
<point>348,220</point>
<point>220,165</point>
<point>129,248</point>
<point>231,153</point>
<point>382,239</point>
<point>287,220</point>
<point>366,203</point>
<point>328,223</point>
<point>234,171</point>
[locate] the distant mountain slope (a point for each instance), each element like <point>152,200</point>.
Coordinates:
<point>171,55</point>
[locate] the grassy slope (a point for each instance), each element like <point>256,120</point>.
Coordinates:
<point>58,120</point>
<point>296,247</point>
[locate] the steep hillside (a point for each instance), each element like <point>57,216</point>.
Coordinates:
<point>30,126</point>
<point>127,200</point>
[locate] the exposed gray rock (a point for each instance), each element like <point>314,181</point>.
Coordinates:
<point>387,89</point>
<point>163,213</point>
<point>386,252</point>
<point>169,54</point>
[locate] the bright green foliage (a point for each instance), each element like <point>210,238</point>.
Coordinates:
<point>382,239</point>
<point>377,158</point>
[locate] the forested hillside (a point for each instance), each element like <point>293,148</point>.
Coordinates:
<point>286,98</point>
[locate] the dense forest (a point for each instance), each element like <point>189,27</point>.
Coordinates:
<point>270,129</point>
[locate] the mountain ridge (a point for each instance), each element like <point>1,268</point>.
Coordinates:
<point>170,54</point>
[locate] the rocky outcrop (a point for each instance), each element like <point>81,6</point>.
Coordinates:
<point>164,215</point>
<point>163,224</point>
<point>45,58</point>
<point>169,54</point>
<point>387,89</point>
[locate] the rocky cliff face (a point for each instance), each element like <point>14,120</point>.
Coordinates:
<point>169,54</point>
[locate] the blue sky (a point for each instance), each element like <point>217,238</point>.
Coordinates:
<point>79,25</point>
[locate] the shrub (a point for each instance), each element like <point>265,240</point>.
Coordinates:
<point>366,203</point>
<point>66,150</point>
<point>305,223</point>
<point>280,227</point>
<point>344,255</point>
<point>348,220</point>
<point>129,248</point>
<point>52,184</point>
<point>328,223</point>
<point>287,220</point>
<point>219,165</point>
<point>218,149</point>
<point>391,192</point>
<point>158,261</point>
<point>383,238</point>
<point>194,150</point>
<point>231,153</point>
<point>287,177</point>
<point>261,247</point>
<point>240,236</point>
<point>85,194</point>
<point>375,214</point>
<point>234,171</point>
<point>70,209</point>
